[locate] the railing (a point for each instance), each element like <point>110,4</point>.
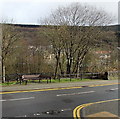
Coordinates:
<point>84,75</point>
<point>81,75</point>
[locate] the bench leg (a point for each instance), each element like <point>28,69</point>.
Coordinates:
<point>20,81</point>
<point>50,80</point>
<point>47,80</point>
<point>26,82</point>
<point>39,80</point>
<point>59,79</point>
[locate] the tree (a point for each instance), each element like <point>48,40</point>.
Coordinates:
<point>76,31</point>
<point>78,15</point>
<point>9,38</point>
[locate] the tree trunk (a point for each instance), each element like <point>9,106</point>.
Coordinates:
<point>2,71</point>
<point>68,65</point>
<point>57,63</point>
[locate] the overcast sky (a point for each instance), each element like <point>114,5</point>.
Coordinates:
<point>29,11</point>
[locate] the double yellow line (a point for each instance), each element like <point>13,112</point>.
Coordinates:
<point>76,111</point>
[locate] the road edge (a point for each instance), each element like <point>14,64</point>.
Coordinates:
<point>61,88</point>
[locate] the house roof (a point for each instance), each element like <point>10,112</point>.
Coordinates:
<point>103,52</point>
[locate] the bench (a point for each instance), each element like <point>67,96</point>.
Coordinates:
<point>25,78</point>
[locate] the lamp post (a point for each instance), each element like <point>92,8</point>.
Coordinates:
<point>1,58</point>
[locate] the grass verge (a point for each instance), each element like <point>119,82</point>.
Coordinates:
<point>63,80</point>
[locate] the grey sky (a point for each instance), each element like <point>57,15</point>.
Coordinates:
<point>29,11</point>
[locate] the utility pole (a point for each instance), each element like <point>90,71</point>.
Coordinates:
<point>0,69</point>
<point>1,63</point>
<point>3,73</point>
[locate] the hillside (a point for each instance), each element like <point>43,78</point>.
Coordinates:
<point>33,52</point>
<point>31,33</point>
<point>112,27</point>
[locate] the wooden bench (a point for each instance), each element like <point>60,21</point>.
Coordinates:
<point>25,78</point>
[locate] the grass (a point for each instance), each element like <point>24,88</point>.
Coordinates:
<point>62,80</point>
<point>65,80</point>
<point>70,80</point>
<point>113,77</point>
<point>7,84</point>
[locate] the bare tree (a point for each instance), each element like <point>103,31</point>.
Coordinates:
<point>78,15</point>
<point>9,38</point>
<point>78,30</point>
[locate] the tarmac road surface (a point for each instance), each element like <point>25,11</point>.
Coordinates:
<point>54,103</point>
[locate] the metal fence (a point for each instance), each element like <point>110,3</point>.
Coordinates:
<point>81,75</point>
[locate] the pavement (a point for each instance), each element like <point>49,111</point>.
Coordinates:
<point>34,86</point>
<point>102,114</point>
<point>104,109</point>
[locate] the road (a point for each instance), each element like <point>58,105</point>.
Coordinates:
<point>54,103</point>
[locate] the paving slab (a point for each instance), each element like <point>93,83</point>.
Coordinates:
<point>102,114</point>
<point>104,110</point>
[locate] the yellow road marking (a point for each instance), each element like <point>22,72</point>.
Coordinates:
<point>40,90</point>
<point>50,89</point>
<point>103,84</point>
<point>76,111</point>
